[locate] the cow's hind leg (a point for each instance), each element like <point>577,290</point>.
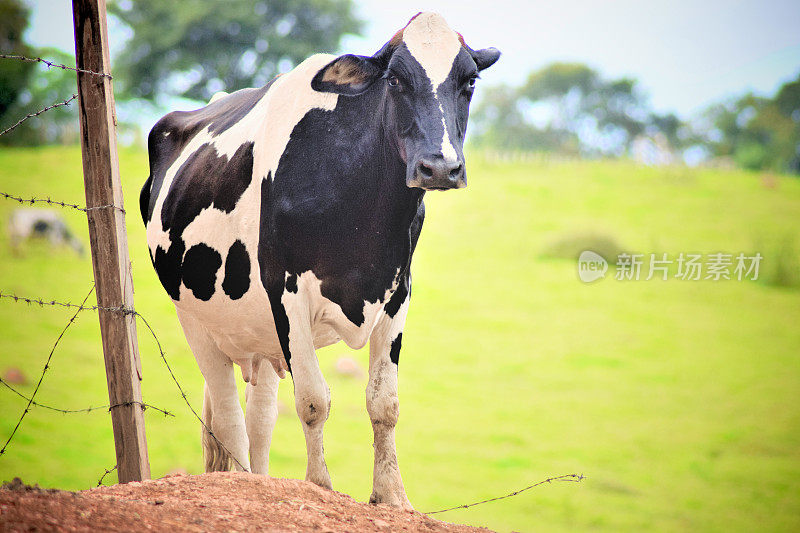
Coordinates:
<point>221,404</point>
<point>215,458</point>
<point>312,398</point>
<point>261,414</point>
<point>383,407</point>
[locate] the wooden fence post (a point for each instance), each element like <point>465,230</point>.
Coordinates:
<point>109,242</point>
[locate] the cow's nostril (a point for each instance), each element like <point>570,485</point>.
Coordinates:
<point>456,172</point>
<point>425,170</point>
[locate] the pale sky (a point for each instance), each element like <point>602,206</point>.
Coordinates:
<point>686,54</point>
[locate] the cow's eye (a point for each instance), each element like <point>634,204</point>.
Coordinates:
<point>393,81</point>
<point>471,82</point>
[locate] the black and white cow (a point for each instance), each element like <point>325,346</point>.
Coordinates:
<point>27,223</point>
<point>284,218</point>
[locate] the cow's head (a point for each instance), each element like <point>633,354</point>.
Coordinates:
<point>427,74</point>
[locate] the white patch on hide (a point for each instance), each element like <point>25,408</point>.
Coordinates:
<point>435,46</point>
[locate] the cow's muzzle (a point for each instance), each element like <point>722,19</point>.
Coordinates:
<point>435,173</point>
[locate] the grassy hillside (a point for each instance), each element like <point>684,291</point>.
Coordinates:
<point>678,399</point>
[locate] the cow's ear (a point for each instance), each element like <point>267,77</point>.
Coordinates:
<point>350,75</point>
<point>485,58</point>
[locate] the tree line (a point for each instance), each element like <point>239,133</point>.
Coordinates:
<point>571,109</point>
<point>187,49</point>
<point>193,48</point>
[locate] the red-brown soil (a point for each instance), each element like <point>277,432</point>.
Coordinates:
<point>220,501</point>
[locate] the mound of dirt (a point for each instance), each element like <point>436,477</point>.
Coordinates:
<point>220,501</point>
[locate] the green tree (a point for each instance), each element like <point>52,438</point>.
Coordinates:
<point>568,87</point>
<point>619,108</point>
<point>27,87</point>
<point>588,114</point>
<point>788,99</point>
<point>194,48</point>
<point>14,74</point>
<point>500,123</point>
<point>756,132</point>
<point>46,87</point>
<point>670,126</point>
<point>558,79</point>
<point>787,103</point>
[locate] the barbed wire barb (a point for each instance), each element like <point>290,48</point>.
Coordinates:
<point>31,115</point>
<point>575,478</point>
<point>54,64</point>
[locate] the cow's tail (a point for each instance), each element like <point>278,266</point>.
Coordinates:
<point>144,199</point>
<point>216,458</point>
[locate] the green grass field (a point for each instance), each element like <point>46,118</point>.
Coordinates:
<point>679,400</point>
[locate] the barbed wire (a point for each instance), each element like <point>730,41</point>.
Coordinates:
<point>82,307</point>
<point>54,64</point>
<point>575,478</point>
<point>44,371</point>
<point>107,472</point>
<point>34,200</point>
<point>143,405</point>
<point>125,311</point>
<point>36,114</point>
<point>49,65</point>
<point>42,302</point>
<point>52,106</point>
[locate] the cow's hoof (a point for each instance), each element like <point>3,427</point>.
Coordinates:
<point>394,499</point>
<point>321,479</point>
<point>325,484</point>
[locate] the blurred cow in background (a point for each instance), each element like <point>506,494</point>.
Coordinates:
<point>40,223</point>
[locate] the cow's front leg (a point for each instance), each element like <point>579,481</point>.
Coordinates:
<point>312,398</point>
<point>384,408</point>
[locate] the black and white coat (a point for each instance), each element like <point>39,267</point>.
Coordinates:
<point>284,219</point>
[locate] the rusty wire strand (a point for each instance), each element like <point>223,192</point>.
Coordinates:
<point>31,115</point>
<point>56,65</point>
<point>575,478</point>
<point>107,472</point>
<point>47,200</point>
<point>143,405</point>
<point>44,371</point>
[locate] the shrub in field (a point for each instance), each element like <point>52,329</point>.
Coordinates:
<point>570,245</point>
<point>781,264</point>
